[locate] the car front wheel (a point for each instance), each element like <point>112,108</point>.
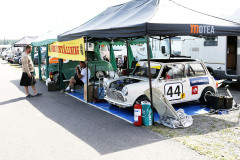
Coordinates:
<point>142,99</point>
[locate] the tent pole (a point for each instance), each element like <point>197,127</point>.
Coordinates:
<point>60,64</point>
<point>127,57</point>
<point>32,53</point>
<point>170,47</point>
<point>113,58</point>
<point>32,56</point>
<point>47,63</point>
<point>149,74</point>
<point>86,55</point>
<point>39,63</point>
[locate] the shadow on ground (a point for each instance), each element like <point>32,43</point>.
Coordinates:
<point>102,131</point>
<point>12,100</point>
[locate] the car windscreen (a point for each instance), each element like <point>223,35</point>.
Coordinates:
<point>92,57</point>
<point>143,71</point>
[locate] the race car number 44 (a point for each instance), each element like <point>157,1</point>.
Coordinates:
<point>173,91</point>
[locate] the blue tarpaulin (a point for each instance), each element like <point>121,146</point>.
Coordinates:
<point>127,113</point>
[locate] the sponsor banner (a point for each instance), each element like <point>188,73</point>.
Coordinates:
<point>72,50</point>
<point>199,81</point>
<point>202,29</point>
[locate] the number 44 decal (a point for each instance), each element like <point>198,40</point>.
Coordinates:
<point>173,91</point>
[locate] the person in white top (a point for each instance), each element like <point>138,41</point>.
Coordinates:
<point>80,77</point>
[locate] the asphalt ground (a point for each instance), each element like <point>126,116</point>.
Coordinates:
<point>57,126</point>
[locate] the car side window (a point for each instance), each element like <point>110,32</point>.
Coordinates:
<point>173,71</point>
<point>103,48</point>
<point>195,70</point>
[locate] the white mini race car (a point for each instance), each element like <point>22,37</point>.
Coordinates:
<point>180,80</point>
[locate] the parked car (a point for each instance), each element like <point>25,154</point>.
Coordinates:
<point>180,80</point>
<point>6,53</point>
<point>16,59</point>
<point>35,60</point>
<point>102,67</point>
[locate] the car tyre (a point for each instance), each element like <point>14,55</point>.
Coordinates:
<point>142,98</point>
<point>206,91</point>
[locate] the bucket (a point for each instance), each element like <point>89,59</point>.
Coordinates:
<point>147,114</point>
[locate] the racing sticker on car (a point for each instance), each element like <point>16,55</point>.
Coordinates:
<point>199,81</point>
<point>194,90</point>
<point>183,95</point>
<point>173,91</point>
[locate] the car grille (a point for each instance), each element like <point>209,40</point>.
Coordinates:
<point>116,95</point>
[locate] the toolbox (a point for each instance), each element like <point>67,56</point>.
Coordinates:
<point>215,102</point>
<point>228,102</point>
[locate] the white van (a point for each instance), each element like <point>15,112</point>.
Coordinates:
<point>221,54</point>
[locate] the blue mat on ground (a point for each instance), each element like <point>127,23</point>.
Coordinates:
<point>127,113</point>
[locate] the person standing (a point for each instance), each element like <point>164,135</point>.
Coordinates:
<point>28,78</point>
<point>18,52</point>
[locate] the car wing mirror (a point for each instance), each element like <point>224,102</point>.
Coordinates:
<point>161,79</point>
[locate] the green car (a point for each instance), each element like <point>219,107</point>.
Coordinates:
<point>102,67</point>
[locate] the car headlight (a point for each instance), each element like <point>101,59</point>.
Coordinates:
<point>105,85</point>
<point>125,91</point>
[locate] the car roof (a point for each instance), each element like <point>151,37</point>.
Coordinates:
<point>172,60</point>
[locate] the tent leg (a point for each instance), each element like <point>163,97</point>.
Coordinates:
<point>149,71</point>
<point>127,57</point>
<point>60,64</point>
<point>86,55</point>
<point>170,47</point>
<point>112,58</point>
<point>39,63</point>
<point>32,56</point>
<point>47,63</point>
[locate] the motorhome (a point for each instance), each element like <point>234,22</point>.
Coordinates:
<point>221,54</point>
<point>159,48</point>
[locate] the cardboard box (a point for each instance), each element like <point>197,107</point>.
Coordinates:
<point>92,92</point>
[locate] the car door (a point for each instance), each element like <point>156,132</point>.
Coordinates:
<point>172,83</point>
<point>197,79</point>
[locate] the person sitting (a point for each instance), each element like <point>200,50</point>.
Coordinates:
<point>80,77</point>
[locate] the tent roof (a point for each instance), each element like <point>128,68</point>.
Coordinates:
<point>139,18</point>
<point>24,41</point>
<point>51,36</point>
